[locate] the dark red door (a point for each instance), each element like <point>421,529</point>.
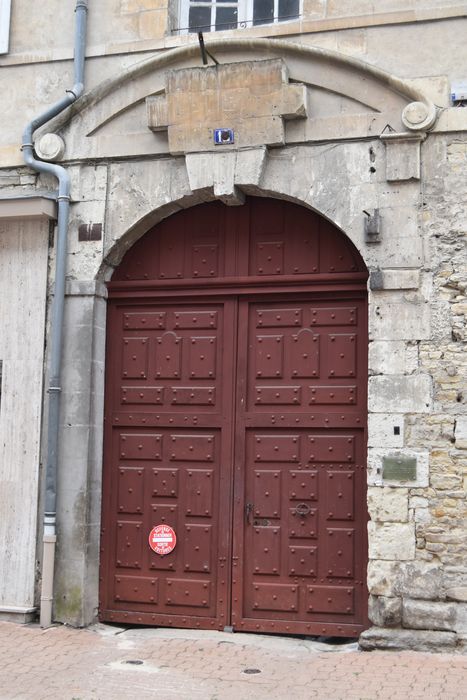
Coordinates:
<point>299,532</point>
<point>235,413</point>
<point>170,446</point>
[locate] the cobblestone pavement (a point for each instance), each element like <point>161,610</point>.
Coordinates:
<point>111,663</point>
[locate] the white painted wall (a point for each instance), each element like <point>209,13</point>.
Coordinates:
<point>23,279</point>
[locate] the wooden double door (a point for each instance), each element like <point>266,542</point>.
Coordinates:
<point>238,419</point>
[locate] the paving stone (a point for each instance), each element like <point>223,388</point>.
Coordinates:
<point>91,664</point>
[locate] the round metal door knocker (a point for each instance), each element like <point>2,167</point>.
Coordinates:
<point>302,510</point>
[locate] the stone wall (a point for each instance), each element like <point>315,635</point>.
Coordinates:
<point>417,576</point>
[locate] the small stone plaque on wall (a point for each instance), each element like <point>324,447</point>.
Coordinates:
<point>402,156</point>
<point>399,468</point>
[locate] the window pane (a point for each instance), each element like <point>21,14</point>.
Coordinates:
<point>200,19</point>
<point>288,9</point>
<point>4,25</point>
<point>226,18</point>
<point>263,11</point>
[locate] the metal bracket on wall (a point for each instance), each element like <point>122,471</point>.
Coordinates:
<point>204,52</point>
<point>372,226</point>
<point>376,279</point>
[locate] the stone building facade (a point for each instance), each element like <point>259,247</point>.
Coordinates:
<point>345,111</point>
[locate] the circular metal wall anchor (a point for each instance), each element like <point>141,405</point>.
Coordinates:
<point>302,510</point>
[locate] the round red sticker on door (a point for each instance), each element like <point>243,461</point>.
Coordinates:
<point>162,539</point>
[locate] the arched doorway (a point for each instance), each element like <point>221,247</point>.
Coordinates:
<point>236,415</point>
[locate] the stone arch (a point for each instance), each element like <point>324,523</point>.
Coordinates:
<point>151,219</point>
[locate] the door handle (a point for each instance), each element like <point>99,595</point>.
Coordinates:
<point>248,512</point>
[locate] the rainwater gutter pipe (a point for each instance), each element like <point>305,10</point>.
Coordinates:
<point>54,389</point>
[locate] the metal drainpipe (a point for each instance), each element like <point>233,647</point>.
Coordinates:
<point>54,390</point>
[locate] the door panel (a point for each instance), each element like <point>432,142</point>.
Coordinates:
<point>306,347</point>
<point>299,529</point>
<point>169,414</point>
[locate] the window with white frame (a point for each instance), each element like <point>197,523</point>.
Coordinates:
<point>218,15</point>
<point>4,25</point>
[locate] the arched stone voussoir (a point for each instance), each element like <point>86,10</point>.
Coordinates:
<point>116,248</point>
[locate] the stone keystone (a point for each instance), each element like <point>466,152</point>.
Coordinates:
<point>252,98</point>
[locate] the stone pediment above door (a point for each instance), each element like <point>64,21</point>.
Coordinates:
<point>318,96</point>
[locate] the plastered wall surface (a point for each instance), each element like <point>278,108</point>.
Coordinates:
<point>333,160</point>
<point>123,33</point>
<point>23,278</point>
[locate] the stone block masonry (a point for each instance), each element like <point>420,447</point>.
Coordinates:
<point>421,583</point>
